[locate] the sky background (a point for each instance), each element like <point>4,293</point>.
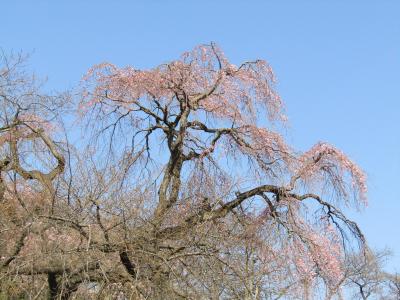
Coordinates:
<point>337,66</point>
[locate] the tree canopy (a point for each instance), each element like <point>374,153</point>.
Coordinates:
<point>181,187</point>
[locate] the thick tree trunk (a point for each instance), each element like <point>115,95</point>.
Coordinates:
<point>53,285</point>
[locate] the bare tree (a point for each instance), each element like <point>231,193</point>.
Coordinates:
<point>393,282</point>
<point>365,275</point>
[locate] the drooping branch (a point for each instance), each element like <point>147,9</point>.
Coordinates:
<point>220,212</point>
<point>332,213</point>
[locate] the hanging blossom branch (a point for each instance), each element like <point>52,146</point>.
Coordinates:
<point>207,107</point>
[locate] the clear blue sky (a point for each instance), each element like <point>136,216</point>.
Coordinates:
<point>337,66</point>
